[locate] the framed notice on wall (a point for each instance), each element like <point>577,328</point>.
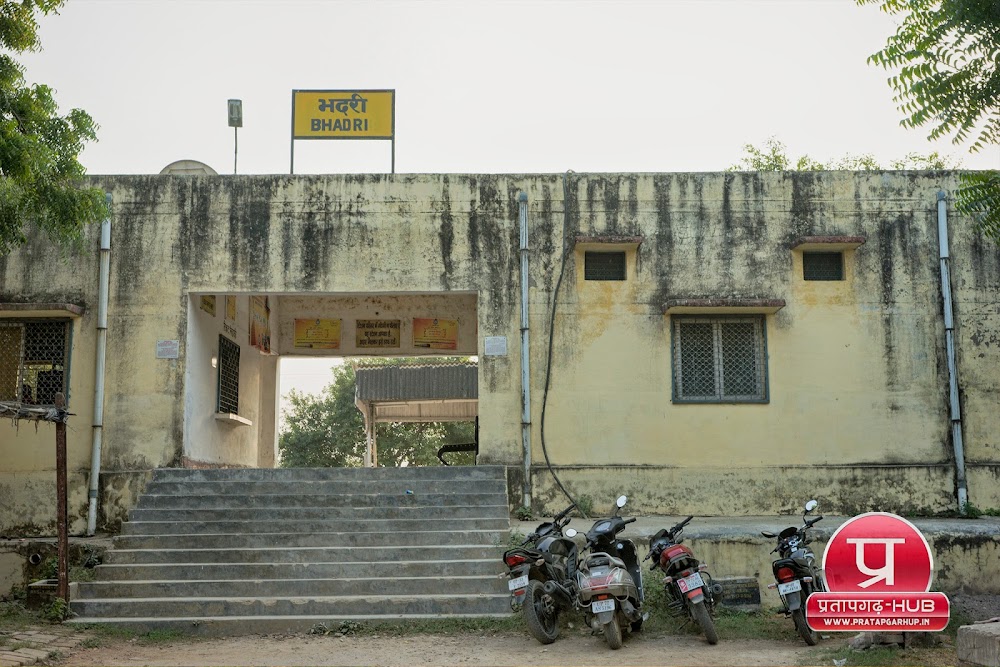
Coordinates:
<point>260,324</point>
<point>376,333</point>
<point>435,334</point>
<point>317,334</point>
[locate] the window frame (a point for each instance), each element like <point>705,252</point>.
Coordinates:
<point>67,358</point>
<point>815,253</point>
<point>676,360</point>
<point>624,265</point>
<point>223,340</point>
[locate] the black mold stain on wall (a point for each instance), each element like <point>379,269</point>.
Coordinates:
<point>446,235</point>
<point>249,230</point>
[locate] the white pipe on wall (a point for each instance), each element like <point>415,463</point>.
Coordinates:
<point>522,201</point>
<point>102,346</point>
<point>955,409</point>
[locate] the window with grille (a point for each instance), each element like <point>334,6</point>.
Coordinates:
<point>604,266</point>
<point>823,266</point>
<point>229,376</point>
<point>719,359</point>
<point>33,355</point>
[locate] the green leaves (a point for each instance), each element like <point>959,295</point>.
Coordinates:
<point>328,431</point>
<point>979,197</point>
<point>946,54</point>
<point>40,175</point>
<point>773,156</point>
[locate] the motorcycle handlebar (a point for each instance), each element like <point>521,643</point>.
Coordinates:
<point>562,515</point>
<point>812,522</point>
<point>632,520</point>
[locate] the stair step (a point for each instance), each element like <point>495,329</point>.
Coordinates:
<point>234,540</point>
<point>285,554</point>
<point>294,499</point>
<point>347,605</point>
<point>357,526</point>
<point>414,512</point>
<point>397,487</point>
<point>314,474</point>
<point>232,626</point>
<point>375,569</point>
<point>285,588</point>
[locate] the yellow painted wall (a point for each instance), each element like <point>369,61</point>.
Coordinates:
<point>857,412</point>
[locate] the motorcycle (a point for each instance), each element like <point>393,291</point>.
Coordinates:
<point>796,573</point>
<point>610,580</point>
<point>542,573</point>
<point>689,588</point>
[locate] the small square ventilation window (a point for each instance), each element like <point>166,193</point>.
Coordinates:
<point>822,266</point>
<point>604,266</point>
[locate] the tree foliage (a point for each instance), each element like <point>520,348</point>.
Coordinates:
<point>946,55</point>
<point>327,430</point>
<point>773,156</point>
<point>40,174</point>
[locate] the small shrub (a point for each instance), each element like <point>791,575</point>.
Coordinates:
<point>523,513</point>
<point>585,505</point>
<point>55,611</point>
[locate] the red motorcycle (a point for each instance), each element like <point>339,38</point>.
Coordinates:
<point>689,588</point>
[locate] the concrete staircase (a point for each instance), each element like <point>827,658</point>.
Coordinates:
<point>262,551</point>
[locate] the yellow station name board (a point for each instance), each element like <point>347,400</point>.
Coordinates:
<point>343,114</point>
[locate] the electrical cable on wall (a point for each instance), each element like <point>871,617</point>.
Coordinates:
<point>552,323</point>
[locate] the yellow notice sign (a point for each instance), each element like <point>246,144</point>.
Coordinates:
<point>377,333</point>
<point>435,334</point>
<point>318,334</point>
<point>343,114</point>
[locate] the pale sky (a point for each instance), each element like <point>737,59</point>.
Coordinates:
<point>516,86</point>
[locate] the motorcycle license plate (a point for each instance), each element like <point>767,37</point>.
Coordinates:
<point>597,606</point>
<point>520,582</point>
<point>790,587</point>
<point>690,583</point>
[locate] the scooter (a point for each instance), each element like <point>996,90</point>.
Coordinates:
<point>542,573</point>
<point>689,588</point>
<point>610,580</point>
<point>796,573</point>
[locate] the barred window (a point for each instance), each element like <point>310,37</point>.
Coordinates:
<point>604,266</point>
<point>229,377</point>
<point>719,359</point>
<point>33,355</point>
<point>822,266</point>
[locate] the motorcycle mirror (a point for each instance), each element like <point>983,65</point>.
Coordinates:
<point>621,501</point>
<point>811,505</point>
<point>767,533</point>
<point>571,532</point>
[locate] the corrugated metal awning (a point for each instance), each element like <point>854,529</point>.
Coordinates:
<point>418,392</point>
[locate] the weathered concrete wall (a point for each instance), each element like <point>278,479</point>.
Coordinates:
<point>857,376</point>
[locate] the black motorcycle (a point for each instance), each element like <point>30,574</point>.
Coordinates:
<point>796,573</point>
<point>542,573</point>
<point>689,588</point>
<point>610,581</point>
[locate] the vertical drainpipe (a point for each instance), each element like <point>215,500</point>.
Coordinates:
<point>522,202</point>
<point>955,410</point>
<point>102,346</point>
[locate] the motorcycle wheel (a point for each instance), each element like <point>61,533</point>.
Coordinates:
<point>613,633</point>
<point>809,635</point>
<point>542,624</point>
<point>700,613</point>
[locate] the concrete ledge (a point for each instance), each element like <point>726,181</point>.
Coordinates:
<point>979,644</point>
<point>722,306</point>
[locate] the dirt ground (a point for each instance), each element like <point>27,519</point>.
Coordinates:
<point>451,650</point>
<point>502,648</point>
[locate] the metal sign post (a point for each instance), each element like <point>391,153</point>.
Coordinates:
<point>61,512</point>
<point>235,122</point>
<point>343,114</point>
